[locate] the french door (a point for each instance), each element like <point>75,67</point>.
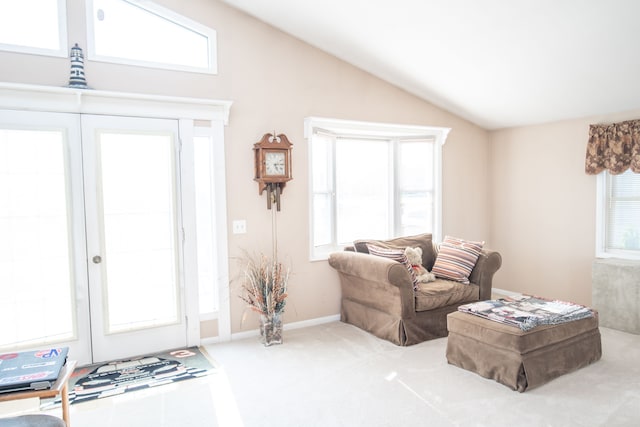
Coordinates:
<point>90,218</point>
<point>133,242</point>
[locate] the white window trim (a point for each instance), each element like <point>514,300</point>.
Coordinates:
<point>15,96</point>
<point>391,131</point>
<point>168,14</point>
<point>601,223</point>
<point>62,52</point>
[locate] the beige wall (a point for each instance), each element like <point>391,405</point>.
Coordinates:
<point>544,208</point>
<point>522,190</point>
<point>275,81</point>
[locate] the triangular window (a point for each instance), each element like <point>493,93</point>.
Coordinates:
<point>145,34</point>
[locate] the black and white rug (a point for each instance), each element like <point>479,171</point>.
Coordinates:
<point>113,378</point>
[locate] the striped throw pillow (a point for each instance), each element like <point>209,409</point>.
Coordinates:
<point>456,258</point>
<point>396,255</point>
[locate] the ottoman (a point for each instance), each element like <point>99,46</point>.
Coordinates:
<point>521,360</point>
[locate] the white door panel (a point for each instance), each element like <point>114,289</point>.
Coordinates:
<point>133,235</point>
<point>43,269</point>
<point>90,249</point>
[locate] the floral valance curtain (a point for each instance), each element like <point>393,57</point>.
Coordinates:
<point>614,147</point>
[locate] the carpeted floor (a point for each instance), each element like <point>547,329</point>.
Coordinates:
<point>337,375</point>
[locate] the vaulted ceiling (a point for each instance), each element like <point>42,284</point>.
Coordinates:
<point>497,63</point>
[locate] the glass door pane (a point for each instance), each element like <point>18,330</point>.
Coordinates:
<point>43,274</point>
<point>34,249</point>
<point>137,183</point>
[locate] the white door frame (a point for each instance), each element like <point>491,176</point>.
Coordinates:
<point>16,96</point>
<point>108,345</point>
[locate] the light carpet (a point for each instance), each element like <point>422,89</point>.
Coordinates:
<point>337,375</point>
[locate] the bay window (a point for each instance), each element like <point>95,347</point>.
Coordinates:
<point>372,180</point>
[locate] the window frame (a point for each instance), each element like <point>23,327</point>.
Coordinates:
<point>167,14</point>
<point>602,200</point>
<point>395,133</point>
<point>61,52</point>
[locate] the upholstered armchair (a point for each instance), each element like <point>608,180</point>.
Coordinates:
<point>379,295</point>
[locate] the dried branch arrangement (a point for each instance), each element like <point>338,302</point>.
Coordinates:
<point>265,286</point>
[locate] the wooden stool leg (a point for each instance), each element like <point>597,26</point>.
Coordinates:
<point>65,404</point>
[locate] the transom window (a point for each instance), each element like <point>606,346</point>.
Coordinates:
<point>371,180</point>
<point>619,215</point>
<point>34,26</point>
<point>142,33</point>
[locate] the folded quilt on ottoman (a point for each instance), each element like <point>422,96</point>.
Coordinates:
<point>521,358</point>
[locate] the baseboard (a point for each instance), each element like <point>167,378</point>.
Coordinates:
<point>505,293</point>
<point>287,327</point>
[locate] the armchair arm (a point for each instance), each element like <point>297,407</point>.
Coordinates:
<point>482,274</point>
<point>375,281</point>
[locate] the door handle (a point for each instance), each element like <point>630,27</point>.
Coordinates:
<point>97,259</point>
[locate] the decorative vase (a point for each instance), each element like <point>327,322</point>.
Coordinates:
<point>271,329</point>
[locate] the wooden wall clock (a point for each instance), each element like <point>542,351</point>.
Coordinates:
<point>272,155</point>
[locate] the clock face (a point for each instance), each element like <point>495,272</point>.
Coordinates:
<point>274,163</point>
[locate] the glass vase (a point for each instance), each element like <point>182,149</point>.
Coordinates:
<point>271,329</point>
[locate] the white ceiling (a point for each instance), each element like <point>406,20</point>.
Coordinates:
<point>497,63</point>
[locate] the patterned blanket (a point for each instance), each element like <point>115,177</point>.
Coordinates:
<point>526,312</point>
